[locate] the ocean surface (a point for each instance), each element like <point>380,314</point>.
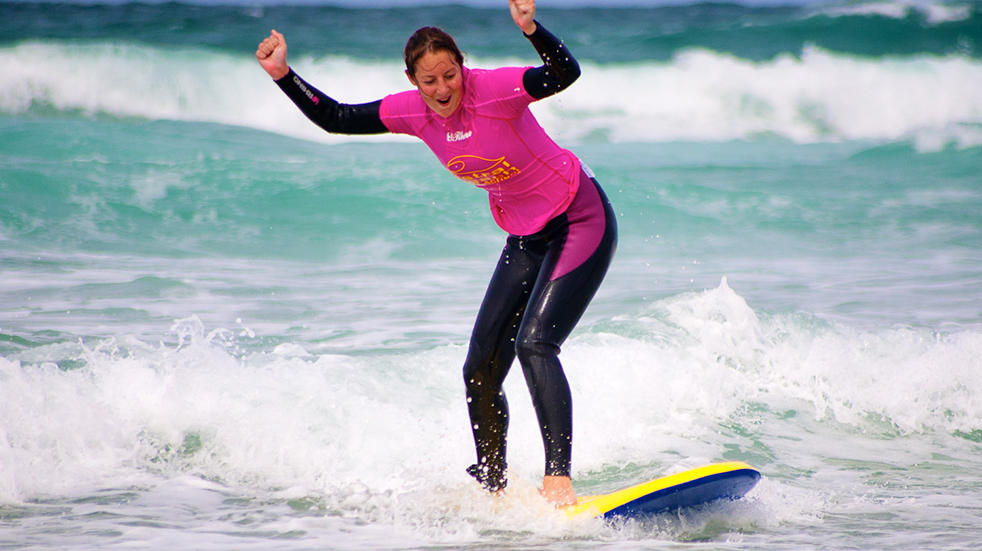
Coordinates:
<point>223,329</point>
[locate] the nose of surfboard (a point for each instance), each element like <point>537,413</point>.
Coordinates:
<point>731,480</point>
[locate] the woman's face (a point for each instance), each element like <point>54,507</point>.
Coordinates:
<point>440,81</point>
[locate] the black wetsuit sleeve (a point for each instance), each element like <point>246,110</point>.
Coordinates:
<point>560,69</point>
<point>337,118</point>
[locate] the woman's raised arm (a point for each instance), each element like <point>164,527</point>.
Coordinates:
<point>321,109</point>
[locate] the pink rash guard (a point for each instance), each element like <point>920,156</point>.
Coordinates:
<point>494,142</point>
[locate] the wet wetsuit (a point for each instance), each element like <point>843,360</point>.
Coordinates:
<point>562,234</point>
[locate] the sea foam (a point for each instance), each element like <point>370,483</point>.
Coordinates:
<point>696,377</point>
<point>700,95</point>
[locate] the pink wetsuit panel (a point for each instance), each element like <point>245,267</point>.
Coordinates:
<point>494,142</point>
<point>587,222</point>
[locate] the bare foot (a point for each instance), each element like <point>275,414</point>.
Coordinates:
<point>558,490</point>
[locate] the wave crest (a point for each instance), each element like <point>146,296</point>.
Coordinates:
<point>700,95</point>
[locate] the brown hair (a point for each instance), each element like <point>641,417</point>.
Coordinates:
<point>426,40</point>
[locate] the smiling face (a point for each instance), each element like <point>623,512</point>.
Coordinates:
<point>440,81</point>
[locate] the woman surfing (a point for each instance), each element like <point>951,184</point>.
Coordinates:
<point>561,228</point>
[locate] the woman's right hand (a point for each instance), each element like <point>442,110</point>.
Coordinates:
<point>523,12</point>
<point>272,55</point>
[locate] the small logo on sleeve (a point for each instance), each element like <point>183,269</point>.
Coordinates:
<point>316,100</point>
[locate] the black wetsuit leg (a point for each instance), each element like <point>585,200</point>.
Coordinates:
<point>528,313</point>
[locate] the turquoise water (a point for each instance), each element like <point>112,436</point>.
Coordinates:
<point>221,328</point>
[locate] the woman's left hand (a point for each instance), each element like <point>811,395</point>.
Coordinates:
<point>523,12</point>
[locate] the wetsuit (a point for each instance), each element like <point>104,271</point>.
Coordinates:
<point>562,234</point>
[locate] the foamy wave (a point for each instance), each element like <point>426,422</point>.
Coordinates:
<point>700,95</point>
<point>270,421</point>
<point>935,12</point>
<point>668,378</point>
<point>138,81</point>
<point>907,379</point>
<point>706,96</point>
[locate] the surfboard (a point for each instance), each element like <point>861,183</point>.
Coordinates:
<point>731,480</point>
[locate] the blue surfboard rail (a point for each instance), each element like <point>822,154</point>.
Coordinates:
<point>728,485</point>
<point>719,481</point>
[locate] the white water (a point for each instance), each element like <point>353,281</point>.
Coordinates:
<point>934,12</point>
<point>700,95</point>
<point>668,377</point>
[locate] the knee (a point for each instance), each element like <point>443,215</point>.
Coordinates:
<point>472,375</point>
<point>540,365</point>
<point>476,363</point>
<point>529,346</point>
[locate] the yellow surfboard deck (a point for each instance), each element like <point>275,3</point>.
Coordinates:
<point>730,480</point>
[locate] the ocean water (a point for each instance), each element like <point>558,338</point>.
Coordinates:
<point>222,329</point>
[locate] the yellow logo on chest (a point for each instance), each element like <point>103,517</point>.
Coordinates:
<point>480,171</point>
